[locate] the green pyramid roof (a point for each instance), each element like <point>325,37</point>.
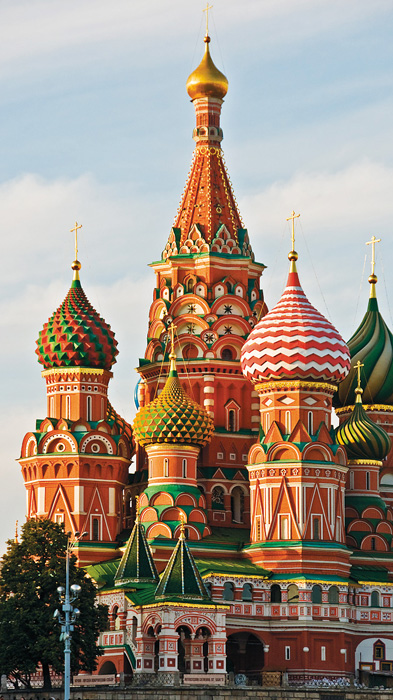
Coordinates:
<point>181,577</point>
<point>137,562</point>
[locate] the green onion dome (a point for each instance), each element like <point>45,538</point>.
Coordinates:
<point>372,344</point>
<point>173,417</point>
<point>75,335</point>
<point>361,437</point>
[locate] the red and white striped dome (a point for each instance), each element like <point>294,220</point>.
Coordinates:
<point>294,341</point>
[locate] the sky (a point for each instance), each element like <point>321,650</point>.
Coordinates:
<point>96,124</point>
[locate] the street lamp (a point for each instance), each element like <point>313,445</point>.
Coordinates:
<point>67,596</point>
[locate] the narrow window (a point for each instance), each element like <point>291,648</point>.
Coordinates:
<point>184,468</point>
<point>333,595</point>
<point>287,653</point>
<point>88,408</point>
<point>287,421</point>
<point>375,599</point>
<point>150,468</point>
<point>367,481</point>
<point>247,592</point>
<point>52,407</point>
<point>68,407</point>
<point>229,591</point>
<point>351,479</point>
<point>310,422</point>
<point>96,529</point>
<point>231,421</point>
<point>275,593</point>
<point>323,653</point>
<point>293,594</point>
<point>284,527</point>
<point>227,354</point>
<point>373,547</point>
<point>166,467</point>
<point>316,595</point>
<point>267,421</point>
<point>316,532</point>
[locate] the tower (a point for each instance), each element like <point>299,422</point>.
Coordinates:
<point>207,285</point>
<point>295,358</point>
<point>75,463</point>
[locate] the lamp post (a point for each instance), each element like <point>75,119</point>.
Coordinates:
<point>67,596</point>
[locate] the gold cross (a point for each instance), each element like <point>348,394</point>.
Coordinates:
<point>372,243</point>
<point>137,511</point>
<point>358,367</point>
<point>75,230</point>
<point>292,218</point>
<point>207,8</point>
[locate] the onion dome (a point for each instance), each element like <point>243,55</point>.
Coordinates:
<point>361,437</point>
<point>75,335</point>
<point>294,341</point>
<point>173,417</point>
<point>207,80</point>
<point>123,426</point>
<point>372,345</point>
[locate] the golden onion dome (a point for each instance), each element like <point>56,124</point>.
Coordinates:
<point>207,80</point>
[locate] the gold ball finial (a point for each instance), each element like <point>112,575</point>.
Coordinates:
<point>76,265</point>
<point>292,255</point>
<point>373,279</point>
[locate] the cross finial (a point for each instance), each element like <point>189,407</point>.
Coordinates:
<point>75,230</point>
<point>292,218</point>
<point>137,509</point>
<point>172,355</point>
<point>358,390</point>
<point>207,8</point>
<point>16,532</point>
<point>182,527</point>
<point>372,243</point>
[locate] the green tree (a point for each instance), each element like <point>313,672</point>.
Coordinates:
<point>30,573</point>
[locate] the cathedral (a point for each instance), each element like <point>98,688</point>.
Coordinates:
<point>249,536</point>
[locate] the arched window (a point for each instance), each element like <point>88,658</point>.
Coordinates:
<point>379,651</point>
<point>351,479</point>
<point>68,407</point>
<point>88,408</point>
<point>190,285</point>
<point>218,498</point>
<point>184,468</point>
<point>166,466</point>
<point>287,421</point>
<point>310,422</point>
<point>134,629</point>
<point>375,599</point>
<point>293,594</point>
<point>316,594</point>
<point>247,592</point>
<point>237,504</point>
<point>231,421</point>
<point>95,529</point>
<point>229,591</point>
<point>116,618</point>
<point>227,354</point>
<point>367,481</point>
<point>275,593</point>
<point>333,595</point>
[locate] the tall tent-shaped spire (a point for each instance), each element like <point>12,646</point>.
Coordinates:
<point>181,577</point>
<point>137,563</point>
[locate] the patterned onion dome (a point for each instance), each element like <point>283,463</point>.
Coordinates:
<point>173,417</point>
<point>75,335</point>
<point>207,80</point>
<point>361,437</point>
<point>124,427</point>
<point>372,344</point>
<point>294,341</point>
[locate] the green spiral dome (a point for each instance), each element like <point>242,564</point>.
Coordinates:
<point>173,418</point>
<point>361,437</point>
<point>372,344</point>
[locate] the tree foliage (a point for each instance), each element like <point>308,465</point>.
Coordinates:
<point>31,570</point>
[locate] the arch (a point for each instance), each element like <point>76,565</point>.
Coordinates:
<point>244,652</point>
<point>384,528</point>
<point>333,595</point>
<point>197,516</point>
<point>107,669</point>
<point>158,310</point>
<point>49,442</point>
<point>173,514</point>
<point>275,593</point>
<point>374,599</point>
<point>229,591</point>
<point>360,526</point>
<point>256,455</point>
<point>149,514</point>
<point>282,451</point>
<point>97,442</point>
<point>180,306</point>
<point>374,543</point>
<point>317,453</point>
<point>247,592</point>
<point>161,499</point>
<point>186,499</point>
<point>159,530</point>
<point>373,512</point>
<point>239,306</point>
<point>293,594</point>
<point>192,533</point>
<point>316,594</point>
<point>183,643</point>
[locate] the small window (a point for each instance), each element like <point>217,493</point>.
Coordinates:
<point>231,421</point>
<point>287,421</point>
<point>367,481</point>
<point>88,408</point>
<point>68,407</point>
<point>267,421</point>
<point>284,527</point>
<point>373,544</point>
<point>293,594</point>
<point>166,467</point>
<point>237,504</point>
<point>323,653</point>
<point>59,518</point>
<point>375,599</point>
<point>310,422</point>
<point>316,595</point>
<point>275,593</point>
<point>95,527</point>
<point>351,480</point>
<point>247,592</point>
<point>379,650</point>
<point>227,354</point>
<point>287,653</point>
<point>184,468</point>
<point>229,591</point>
<point>316,528</point>
<point>333,595</point>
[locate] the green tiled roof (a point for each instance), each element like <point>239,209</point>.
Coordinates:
<point>181,577</point>
<point>137,562</point>
<point>232,567</point>
<point>370,573</point>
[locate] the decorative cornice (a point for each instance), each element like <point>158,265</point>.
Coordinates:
<point>367,407</point>
<point>265,387</point>
<point>366,462</point>
<point>76,370</point>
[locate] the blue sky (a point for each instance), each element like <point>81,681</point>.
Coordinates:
<point>96,126</point>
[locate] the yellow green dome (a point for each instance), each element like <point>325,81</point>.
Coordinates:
<point>361,437</point>
<point>173,417</point>
<point>207,80</point>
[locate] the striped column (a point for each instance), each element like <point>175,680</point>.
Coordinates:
<point>208,393</point>
<point>255,411</point>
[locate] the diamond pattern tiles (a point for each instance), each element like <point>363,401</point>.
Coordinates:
<point>294,341</point>
<point>76,336</point>
<point>173,417</point>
